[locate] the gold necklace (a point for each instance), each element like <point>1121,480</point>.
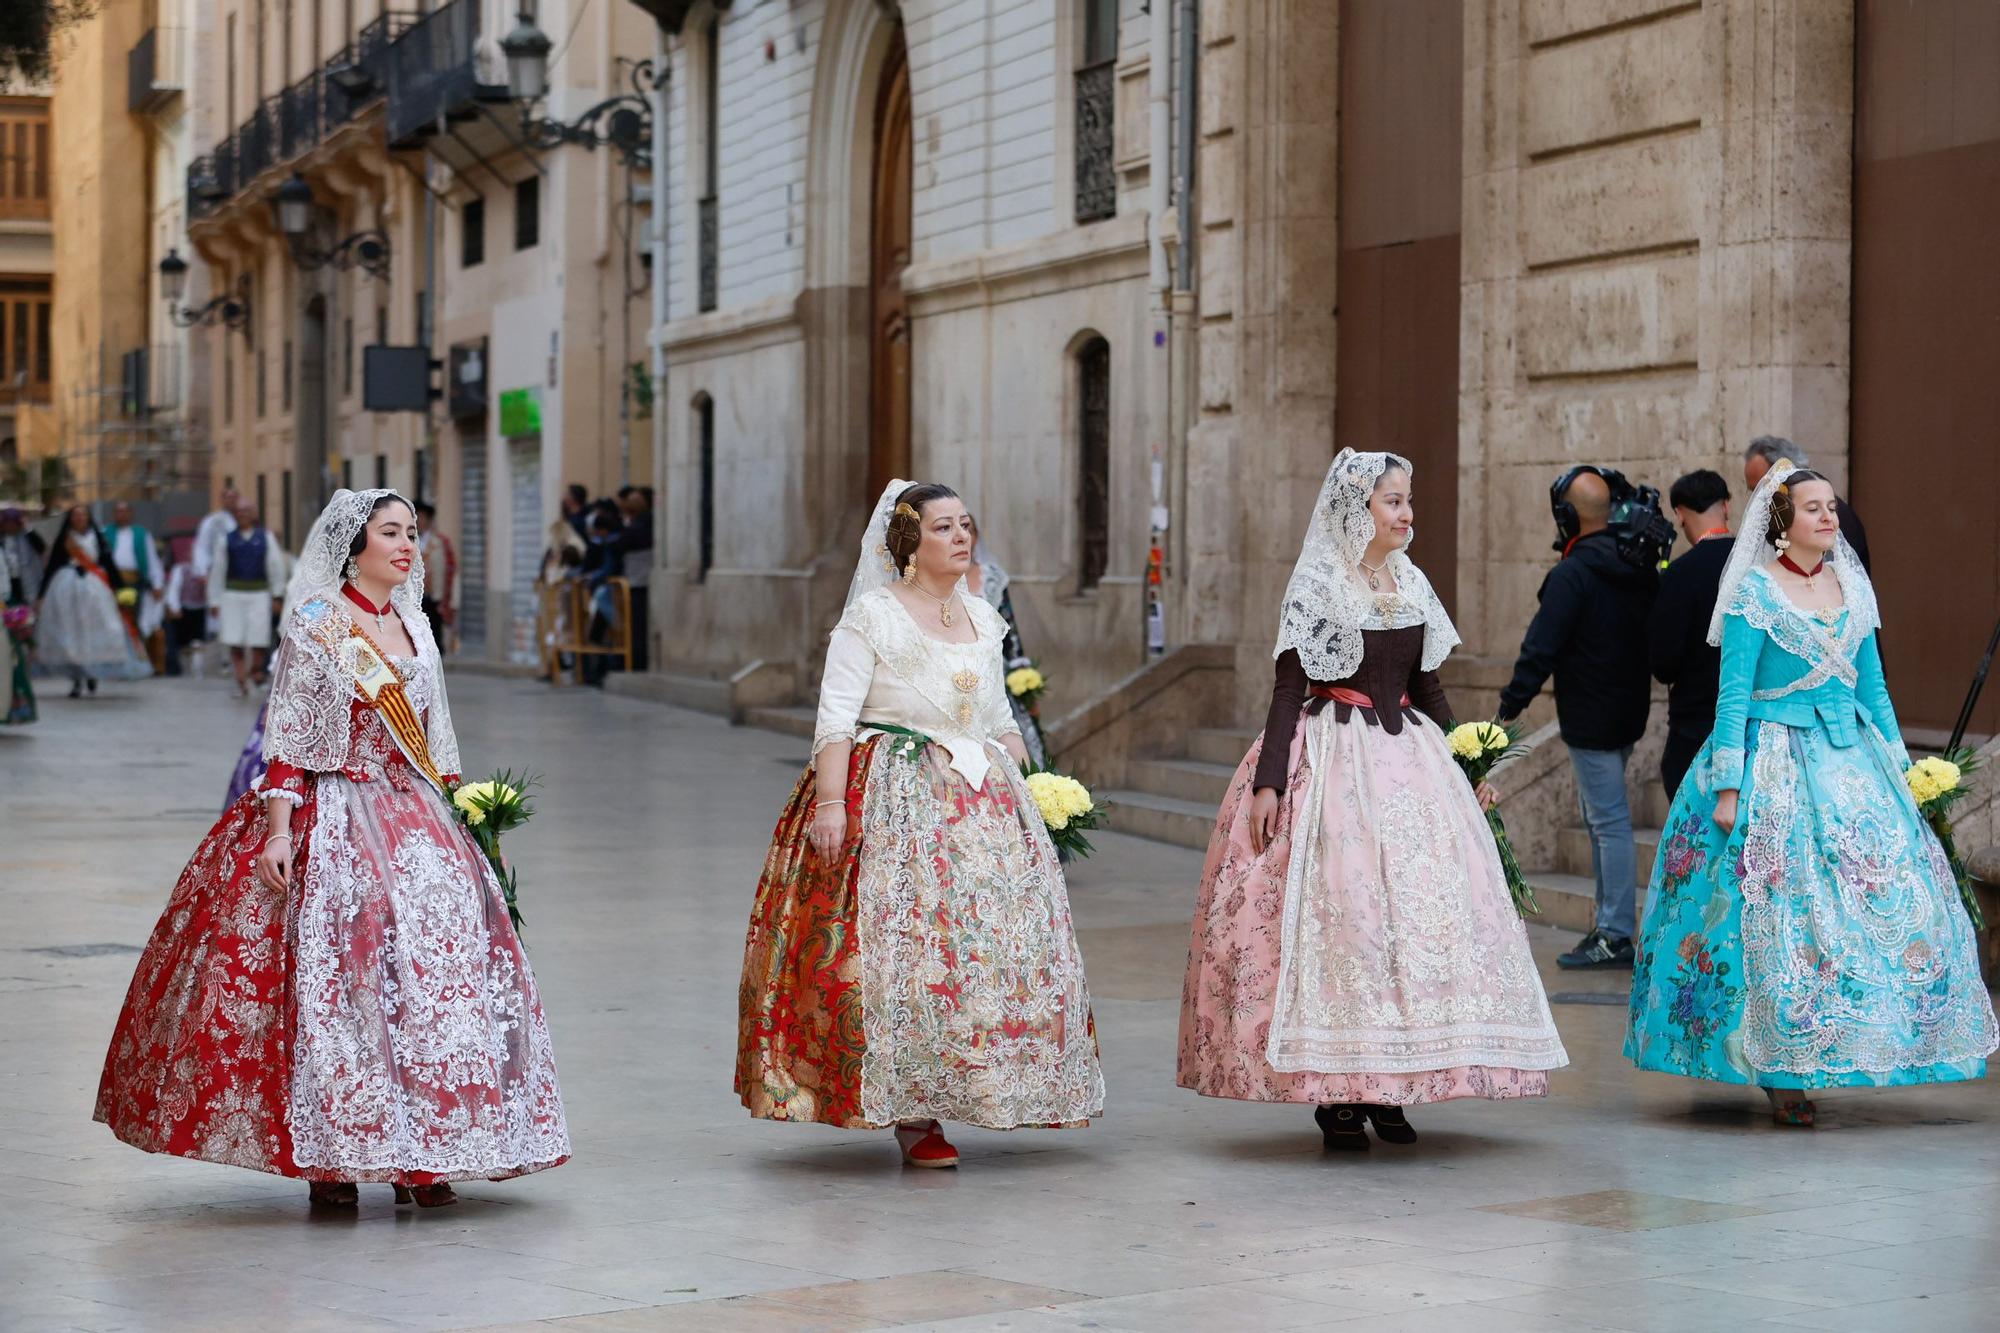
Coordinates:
<point>944,603</point>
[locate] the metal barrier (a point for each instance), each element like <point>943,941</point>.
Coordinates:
<point>562,626</point>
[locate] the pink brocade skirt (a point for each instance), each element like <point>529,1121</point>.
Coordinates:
<point>1404,942</point>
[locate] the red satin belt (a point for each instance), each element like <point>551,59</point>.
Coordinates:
<point>1340,694</point>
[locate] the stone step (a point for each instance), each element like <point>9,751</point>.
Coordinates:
<point>704,694</point>
<point>1219,745</point>
<point>1182,779</point>
<point>1161,818</point>
<point>1568,902</point>
<point>1573,852</point>
<point>794,721</point>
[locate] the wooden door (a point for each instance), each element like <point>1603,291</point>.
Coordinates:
<point>889,350</point>
<point>1396,348</point>
<point>1926,399</point>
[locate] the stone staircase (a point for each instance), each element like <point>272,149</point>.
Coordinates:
<point>1172,798</point>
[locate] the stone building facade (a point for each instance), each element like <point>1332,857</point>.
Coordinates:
<point>501,284</point>
<point>1501,236</point>
<point>909,240</point>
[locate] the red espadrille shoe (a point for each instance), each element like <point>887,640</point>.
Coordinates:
<point>925,1145</point>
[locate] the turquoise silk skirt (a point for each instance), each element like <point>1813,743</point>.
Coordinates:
<point>1820,945</point>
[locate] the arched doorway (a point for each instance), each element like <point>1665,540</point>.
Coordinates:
<point>310,427</point>
<point>889,255</point>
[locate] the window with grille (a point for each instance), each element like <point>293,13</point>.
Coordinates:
<point>472,234</point>
<point>1093,493</point>
<point>24,159</point>
<point>26,304</point>
<point>528,213</point>
<point>1096,99</point>
<point>709,207</point>
<point>705,520</point>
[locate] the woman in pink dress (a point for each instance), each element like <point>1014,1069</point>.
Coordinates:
<point>1355,946</point>
<point>335,991</point>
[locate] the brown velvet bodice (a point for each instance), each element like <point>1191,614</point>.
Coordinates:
<point>1391,666</point>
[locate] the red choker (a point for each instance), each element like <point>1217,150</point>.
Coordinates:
<point>348,590</point>
<point>1813,573</point>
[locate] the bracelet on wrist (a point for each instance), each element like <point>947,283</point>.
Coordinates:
<point>273,837</point>
<point>821,805</point>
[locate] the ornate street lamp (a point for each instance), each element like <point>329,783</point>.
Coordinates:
<point>366,250</point>
<point>624,122</point>
<point>231,310</point>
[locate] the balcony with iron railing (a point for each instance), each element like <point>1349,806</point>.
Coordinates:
<point>434,73</point>
<point>155,71</point>
<point>292,123</point>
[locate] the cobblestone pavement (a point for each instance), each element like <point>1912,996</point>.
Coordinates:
<point>1622,1202</point>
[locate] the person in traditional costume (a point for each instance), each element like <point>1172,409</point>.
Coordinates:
<point>1355,946</point>
<point>987,578</point>
<point>141,576</point>
<point>16,639</point>
<point>79,630</point>
<point>911,958</point>
<point>335,991</point>
<point>1804,928</point>
<point>246,579</point>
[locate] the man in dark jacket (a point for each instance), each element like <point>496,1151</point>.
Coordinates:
<point>1590,633</point>
<point>1768,449</point>
<point>1682,657</point>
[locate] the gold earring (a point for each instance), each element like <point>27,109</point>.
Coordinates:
<point>910,571</point>
<point>353,570</point>
<point>1783,543</point>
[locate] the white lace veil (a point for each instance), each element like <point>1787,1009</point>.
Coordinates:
<point>322,564</point>
<point>1325,601</point>
<point>993,576</point>
<point>1753,550</point>
<point>875,569</point>
<point>308,724</point>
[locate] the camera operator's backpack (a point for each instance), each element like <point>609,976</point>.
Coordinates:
<point>1638,526</point>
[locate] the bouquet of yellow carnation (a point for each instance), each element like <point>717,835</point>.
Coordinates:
<point>1937,783</point>
<point>1066,807</point>
<point>1479,747</point>
<point>128,597</point>
<point>490,808</point>
<point>1026,683</point>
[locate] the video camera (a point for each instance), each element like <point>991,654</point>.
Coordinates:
<point>1638,525</point>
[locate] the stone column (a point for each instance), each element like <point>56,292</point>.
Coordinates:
<point>1264,436</point>
<point>1657,224</point>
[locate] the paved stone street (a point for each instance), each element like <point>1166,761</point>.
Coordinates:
<point>1622,1202</point>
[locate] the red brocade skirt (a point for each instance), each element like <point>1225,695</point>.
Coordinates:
<point>376,1019</point>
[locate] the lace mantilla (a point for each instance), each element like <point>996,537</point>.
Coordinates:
<point>1326,605</point>
<point>1751,553</point>
<point>310,723</point>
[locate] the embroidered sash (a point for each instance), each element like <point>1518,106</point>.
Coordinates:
<point>363,663</point>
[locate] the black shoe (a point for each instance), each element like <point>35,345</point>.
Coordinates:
<point>76,689</point>
<point>1391,1125</point>
<point>1597,949</point>
<point>91,684</point>
<point>1341,1126</point>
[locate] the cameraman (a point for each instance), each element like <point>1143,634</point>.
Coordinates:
<point>1590,633</point>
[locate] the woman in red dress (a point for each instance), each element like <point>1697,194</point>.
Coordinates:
<point>335,991</point>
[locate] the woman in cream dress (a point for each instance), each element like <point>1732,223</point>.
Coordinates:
<point>910,957</point>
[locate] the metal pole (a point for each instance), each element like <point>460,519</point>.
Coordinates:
<point>1972,695</point>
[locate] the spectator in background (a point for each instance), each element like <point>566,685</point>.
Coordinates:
<point>27,552</point>
<point>440,572</point>
<point>185,603</point>
<point>1768,449</point>
<point>602,562</point>
<point>576,509</point>
<point>1590,633</point>
<point>135,565</point>
<point>635,549</point>
<point>1682,658</point>
<point>247,570</point>
<point>219,523</point>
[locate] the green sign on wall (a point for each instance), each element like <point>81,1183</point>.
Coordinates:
<point>520,412</point>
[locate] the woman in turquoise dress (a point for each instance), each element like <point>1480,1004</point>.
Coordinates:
<point>1804,930</point>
